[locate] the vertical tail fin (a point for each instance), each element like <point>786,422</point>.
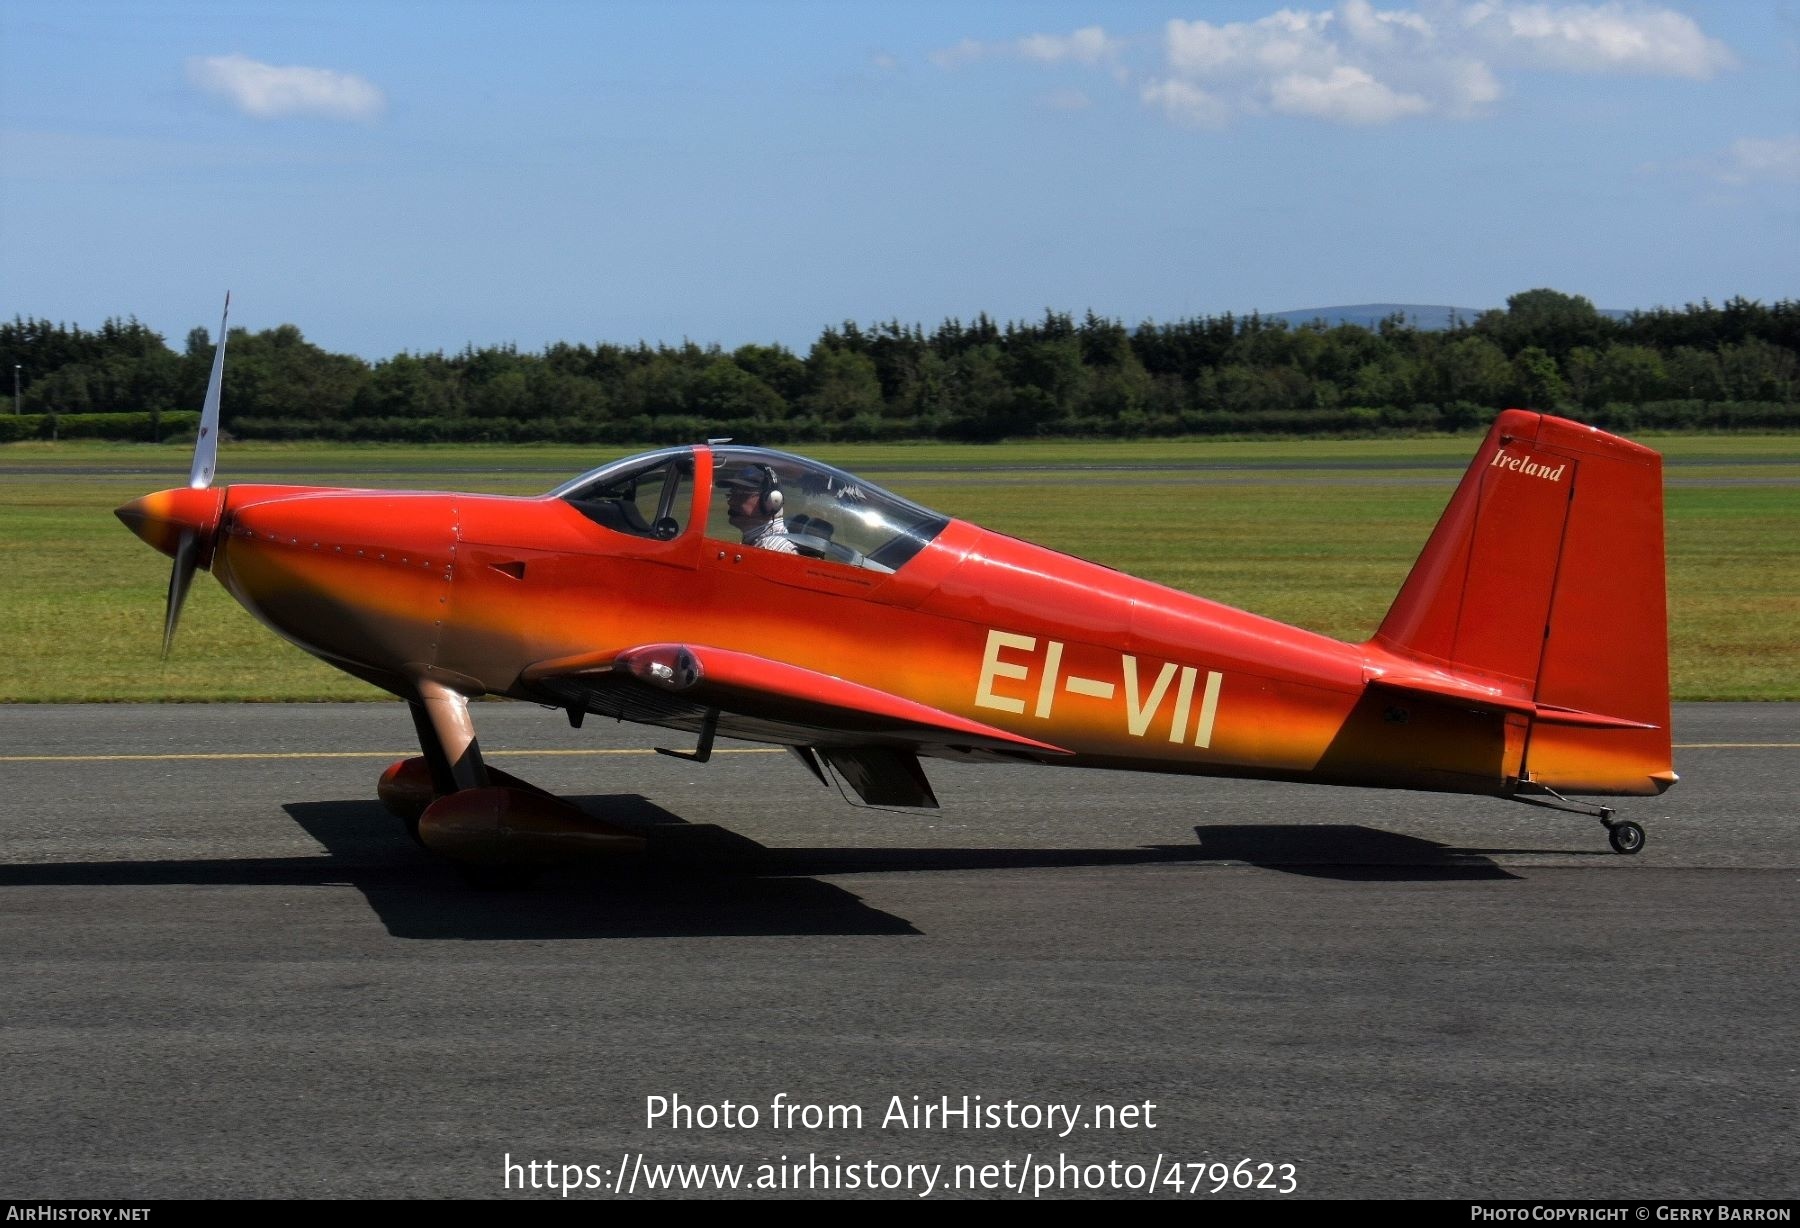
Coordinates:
<point>1544,578</point>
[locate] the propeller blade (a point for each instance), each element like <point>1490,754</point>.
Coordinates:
<point>206,445</point>
<point>187,555</point>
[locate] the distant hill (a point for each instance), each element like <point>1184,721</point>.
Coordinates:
<point>1368,315</point>
<point>1428,317</point>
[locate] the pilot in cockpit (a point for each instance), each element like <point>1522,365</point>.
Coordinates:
<point>753,505</point>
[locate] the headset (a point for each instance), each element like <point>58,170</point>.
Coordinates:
<point>768,501</point>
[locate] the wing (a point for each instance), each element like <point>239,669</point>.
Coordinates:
<point>872,737</point>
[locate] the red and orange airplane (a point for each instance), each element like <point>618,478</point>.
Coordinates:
<point>734,591</point>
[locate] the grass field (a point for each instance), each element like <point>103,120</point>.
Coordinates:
<point>1314,532</point>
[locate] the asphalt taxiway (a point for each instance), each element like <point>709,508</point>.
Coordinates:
<point>228,972</point>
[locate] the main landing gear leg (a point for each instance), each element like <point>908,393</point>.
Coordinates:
<point>1624,835</point>
<point>437,764</point>
<point>451,758</point>
<point>499,830</point>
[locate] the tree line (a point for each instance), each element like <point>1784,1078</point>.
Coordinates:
<point>1735,364</point>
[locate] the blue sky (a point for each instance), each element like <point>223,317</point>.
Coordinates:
<point>423,176</point>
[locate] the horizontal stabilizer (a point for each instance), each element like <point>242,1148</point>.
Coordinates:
<point>1484,698</point>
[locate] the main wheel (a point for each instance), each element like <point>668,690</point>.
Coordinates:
<point>1625,837</point>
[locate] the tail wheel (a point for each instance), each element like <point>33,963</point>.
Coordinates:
<point>1625,837</point>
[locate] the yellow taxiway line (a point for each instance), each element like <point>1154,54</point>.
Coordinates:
<point>1737,746</point>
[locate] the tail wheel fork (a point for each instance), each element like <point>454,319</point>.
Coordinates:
<point>1624,835</point>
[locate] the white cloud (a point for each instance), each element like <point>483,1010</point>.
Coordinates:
<point>268,91</point>
<point>1186,104</point>
<point>1377,29</point>
<point>1352,65</point>
<point>1359,64</point>
<point>1599,38</point>
<point>1761,160</point>
<point>1466,86</point>
<point>1286,41</point>
<point>1347,95</point>
<point>1089,45</point>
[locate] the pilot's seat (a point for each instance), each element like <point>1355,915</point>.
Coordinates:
<point>811,535</point>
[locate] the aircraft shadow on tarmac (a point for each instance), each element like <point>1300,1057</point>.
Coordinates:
<point>699,879</point>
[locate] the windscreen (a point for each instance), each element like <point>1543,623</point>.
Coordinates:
<point>645,496</point>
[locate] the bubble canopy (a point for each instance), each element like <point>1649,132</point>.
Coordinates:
<point>775,500</point>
